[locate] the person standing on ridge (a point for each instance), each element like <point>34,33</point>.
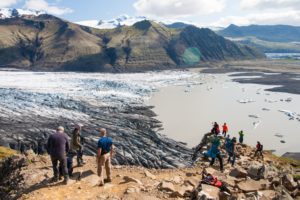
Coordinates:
<point>216,129</point>
<point>57,147</point>
<point>214,152</point>
<point>232,151</point>
<point>259,150</point>
<point>76,144</point>
<point>225,129</point>
<point>104,155</point>
<point>241,138</point>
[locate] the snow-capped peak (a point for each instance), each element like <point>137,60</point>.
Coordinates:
<point>12,12</point>
<point>113,23</point>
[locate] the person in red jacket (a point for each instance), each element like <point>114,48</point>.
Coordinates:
<point>225,129</point>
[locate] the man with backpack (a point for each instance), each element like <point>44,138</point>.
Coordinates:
<point>225,129</point>
<point>214,152</point>
<point>259,150</point>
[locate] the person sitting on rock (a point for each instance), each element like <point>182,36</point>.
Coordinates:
<point>214,152</point>
<point>241,138</point>
<point>209,179</point>
<point>104,155</point>
<point>225,129</point>
<point>231,150</point>
<point>57,147</point>
<point>259,150</point>
<point>76,144</point>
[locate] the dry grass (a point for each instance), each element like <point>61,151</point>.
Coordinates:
<point>5,152</point>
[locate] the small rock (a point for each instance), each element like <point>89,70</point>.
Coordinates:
<point>176,179</point>
<point>128,179</point>
<point>189,174</point>
<point>168,186</point>
<point>209,192</point>
<point>192,181</point>
<point>238,173</point>
<point>149,175</point>
<point>131,190</point>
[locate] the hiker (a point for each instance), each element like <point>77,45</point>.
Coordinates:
<point>57,147</point>
<point>209,179</point>
<point>214,152</point>
<point>241,138</point>
<point>225,129</point>
<point>76,144</point>
<point>231,150</point>
<point>216,129</point>
<point>104,155</point>
<point>259,149</point>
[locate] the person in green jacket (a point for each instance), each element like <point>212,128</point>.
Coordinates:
<point>76,144</point>
<point>241,139</point>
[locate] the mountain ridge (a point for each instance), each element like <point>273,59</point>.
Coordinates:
<point>45,42</point>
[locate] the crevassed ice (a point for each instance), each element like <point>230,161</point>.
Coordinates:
<point>64,94</point>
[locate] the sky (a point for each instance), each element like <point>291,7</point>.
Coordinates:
<point>217,13</point>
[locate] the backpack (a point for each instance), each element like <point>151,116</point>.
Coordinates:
<point>261,147</point>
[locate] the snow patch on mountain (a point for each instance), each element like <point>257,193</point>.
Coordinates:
<point>123,20</point>
<point>12,12</point>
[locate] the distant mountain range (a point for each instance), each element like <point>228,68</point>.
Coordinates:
<point>268,38</point>
<point>43,42</point>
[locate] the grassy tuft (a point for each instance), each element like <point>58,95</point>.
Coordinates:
<point>6,152</point>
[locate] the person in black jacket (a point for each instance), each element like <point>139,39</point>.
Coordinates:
<point>57,147</point>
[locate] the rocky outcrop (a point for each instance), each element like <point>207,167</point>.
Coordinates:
<point>11,180</point>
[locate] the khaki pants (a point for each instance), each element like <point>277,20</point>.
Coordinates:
<point>104,161</point>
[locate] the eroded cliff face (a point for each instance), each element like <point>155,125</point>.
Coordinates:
<point>45,42</point>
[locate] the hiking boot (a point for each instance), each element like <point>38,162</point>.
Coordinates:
<point>66,181</point>
<point>101,184</point>
<point>54,179</point>
<point>108,180</point>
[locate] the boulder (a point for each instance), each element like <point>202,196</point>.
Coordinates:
<point>252,185</point>
<point>209,192</point>
<point>128,179</point>
<point>288,182</point>
<point>267,194</point>
<point>238,172</point>
<point>167,186</point>
<point>211,171</point>
<point>182,191</point>
<point>149,175</point>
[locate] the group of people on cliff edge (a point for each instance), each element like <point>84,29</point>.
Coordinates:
<point>62,153</point>
<point>230,145</point>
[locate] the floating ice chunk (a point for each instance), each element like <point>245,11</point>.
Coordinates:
<point>254,116</point>
<point>256,124</point>
<point>279,135</point>
<point>270,101</point>
<point>246,101</point>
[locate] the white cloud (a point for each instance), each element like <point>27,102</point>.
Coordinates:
<point>7,3</point>
<point>289,17</point>
<point>177,8</point>
<point>270,4</point>
<point>43,5</point>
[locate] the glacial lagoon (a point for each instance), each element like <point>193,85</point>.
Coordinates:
<point>186,102</point>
